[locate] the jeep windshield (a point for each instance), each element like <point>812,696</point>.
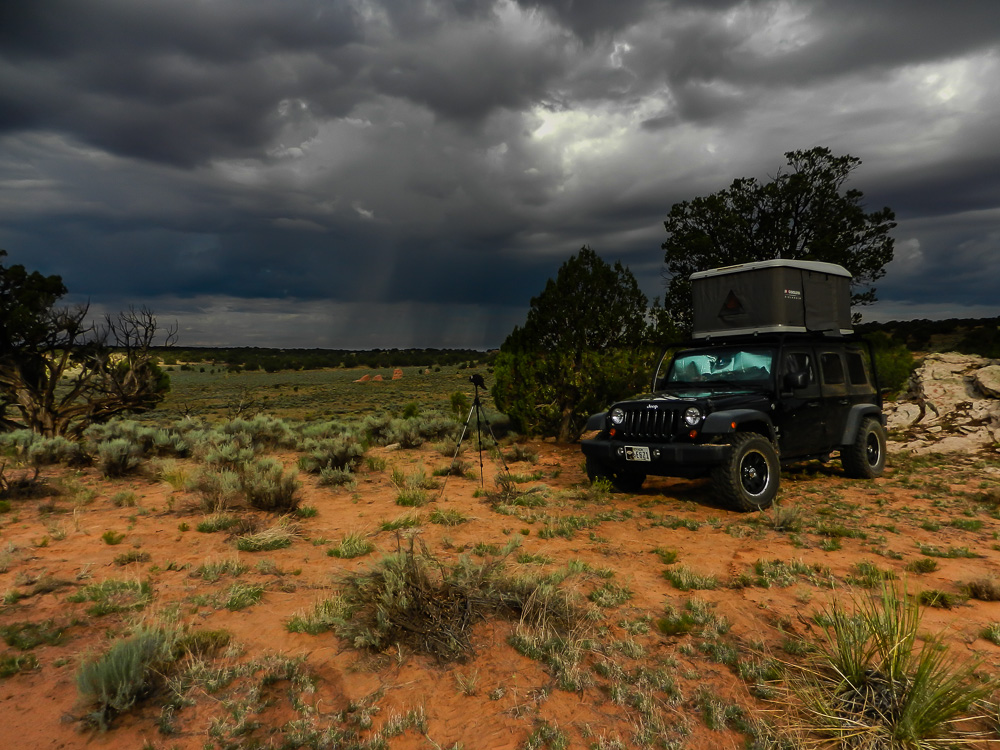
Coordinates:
<point>732,367</point>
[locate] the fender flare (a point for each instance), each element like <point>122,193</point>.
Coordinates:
<point>854,417</point>
<point>595,421</point>
<point>721,422</point>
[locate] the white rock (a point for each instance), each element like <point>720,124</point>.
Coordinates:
<point>988,380</point>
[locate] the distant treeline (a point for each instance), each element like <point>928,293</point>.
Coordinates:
<point>966,335</point>
<point>274,360</point>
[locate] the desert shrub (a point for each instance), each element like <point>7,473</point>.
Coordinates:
<point>521,453</point>
<point>412,598</point>
<point>124,675</point>
<point>268,487</point>
<point>229,454</point>
<point>460,405</point>
<point>337,478</point>
<point>344,452</point>
<point>55,450</point>
<point>868,685</point>
<point>118,457</point>
<point>263,431</point>
<point>19,442</point>
<point>169,443</point>
<point>984,589</point>
<point>219,488</point>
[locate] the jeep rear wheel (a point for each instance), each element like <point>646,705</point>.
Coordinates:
<point>866,458</point>
<point>623,481</point>
<point>749,478</point>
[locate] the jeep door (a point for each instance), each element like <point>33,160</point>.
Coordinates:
<point>800,409</point>
<point>836,401</point>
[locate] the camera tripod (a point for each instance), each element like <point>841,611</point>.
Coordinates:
<point>477,409</point>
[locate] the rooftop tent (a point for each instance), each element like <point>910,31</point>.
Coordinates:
<point>772,296</point>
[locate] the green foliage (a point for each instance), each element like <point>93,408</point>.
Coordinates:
<point>581,346</point>
<point>801,214</point>
<point>894,363</point>
<point>110,367</point>
<point>111,596</point>
<point>27,635</point>
<point>12,664</point>
<point>352,545</point>
<point>112,537</point>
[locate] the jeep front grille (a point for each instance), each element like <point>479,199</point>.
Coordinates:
<point>648,424</point>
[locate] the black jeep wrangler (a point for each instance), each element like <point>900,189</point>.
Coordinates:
<point>737,408</point>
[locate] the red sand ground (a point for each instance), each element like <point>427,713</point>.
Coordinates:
<point>57,538</point>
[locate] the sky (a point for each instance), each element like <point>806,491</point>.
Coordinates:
<point>408,173</point>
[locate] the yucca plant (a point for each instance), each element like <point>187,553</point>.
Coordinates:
<point>870,686</point>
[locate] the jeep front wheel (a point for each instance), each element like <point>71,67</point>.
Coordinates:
<point>622,481</point>
<point>750,475</point>
<point>866,458</point>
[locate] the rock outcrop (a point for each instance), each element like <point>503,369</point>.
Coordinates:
<point>953,404</point>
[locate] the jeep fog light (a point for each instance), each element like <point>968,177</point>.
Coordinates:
<point>692,416</point>
<point>617,415</point>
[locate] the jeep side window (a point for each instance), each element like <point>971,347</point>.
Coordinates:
<point>800,362</point>
<point>832,367</point>
<point>856,369</point>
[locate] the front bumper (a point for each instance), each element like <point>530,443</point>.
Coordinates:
<point>666,459</point>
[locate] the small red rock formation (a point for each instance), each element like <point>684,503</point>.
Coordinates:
<point>377,377</point>
<point>397,374</point>
<point>363,379</point>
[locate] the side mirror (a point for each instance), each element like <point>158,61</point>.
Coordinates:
<point>795,380</point>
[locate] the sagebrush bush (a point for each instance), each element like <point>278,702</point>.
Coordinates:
<point>343,452</point>
<point>124,675</point>
<point>118,457</point>
<point>55,450</point>
<point>337,478</point>
<point>219,489</point>
<point>263,431</point>
<point>229,452</point>
<point>268,487</point>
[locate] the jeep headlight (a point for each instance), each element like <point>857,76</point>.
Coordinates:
<point>692,416</point>
<point>617,415</point>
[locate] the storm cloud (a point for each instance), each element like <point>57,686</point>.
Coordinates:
<point>380,173</point>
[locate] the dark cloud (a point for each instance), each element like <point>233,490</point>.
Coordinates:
<point>368,168</point>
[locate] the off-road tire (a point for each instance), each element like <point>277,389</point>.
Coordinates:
<point>748,479</point>
<point>622,481</point>
<point>865,459</point>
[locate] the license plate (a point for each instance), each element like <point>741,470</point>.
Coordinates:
<point>636,453</point>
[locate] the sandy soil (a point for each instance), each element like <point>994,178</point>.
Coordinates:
<point>52,547</point>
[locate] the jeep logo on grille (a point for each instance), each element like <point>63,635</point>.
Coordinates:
<point>651,406</point>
